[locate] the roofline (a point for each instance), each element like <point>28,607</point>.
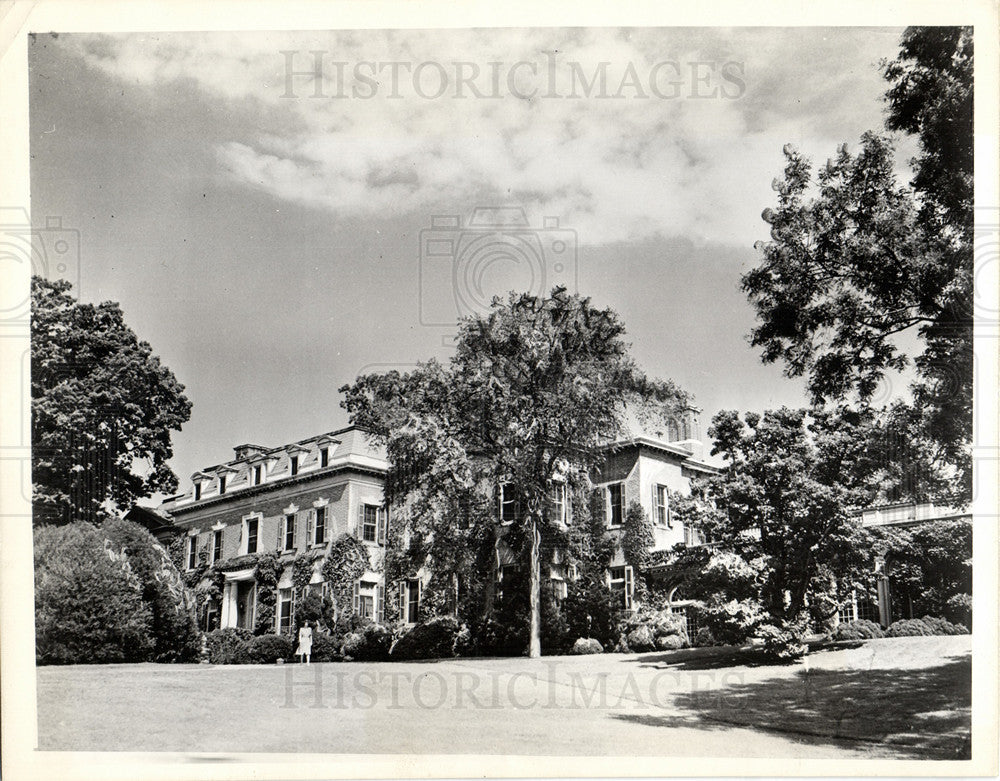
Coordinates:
<point>269,450</point>
<point>655,444</point>
<point>266,487</point>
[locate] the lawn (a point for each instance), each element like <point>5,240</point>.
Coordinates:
<point>904,698</point>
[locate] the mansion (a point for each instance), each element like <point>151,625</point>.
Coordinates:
<point>295,500</point>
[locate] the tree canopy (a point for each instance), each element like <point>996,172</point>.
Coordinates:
<point>785,496</point>
<point>536,386</point>
<point>102,409</point>
<point>855,259</point>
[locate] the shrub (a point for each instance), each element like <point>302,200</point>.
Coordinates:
<point>670,642</point>
<point>173,626</point>
<point>782,642</point>
<point>229,646</point>
<point>640,639</point>
<point>433,639</point>
<point>268,649</point>
<point>858,630</point>
<point>590,611</point>
<point>924,627</point>
<point>732,622</point>
<point>370,644</point>
<point>325,648</point>
<point>941,626</point>
<point>88,601</point>
<point>587,645</point>
<point>704,638</point>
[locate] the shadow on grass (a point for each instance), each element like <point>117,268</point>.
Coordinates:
<point>917,713</point>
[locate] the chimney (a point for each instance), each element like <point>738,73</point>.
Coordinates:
<point>245,451</point>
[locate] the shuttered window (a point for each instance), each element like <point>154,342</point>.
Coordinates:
<point>319,526</point>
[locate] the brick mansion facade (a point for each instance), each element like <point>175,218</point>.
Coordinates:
<point>295,500</point>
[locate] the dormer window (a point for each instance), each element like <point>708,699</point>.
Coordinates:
<point>258,474</point>
<point>222,484</point>
<point>324,457</point>
<point>293,467</point>
<point>197,491</point>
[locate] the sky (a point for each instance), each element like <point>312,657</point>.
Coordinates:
<point>273,235</point>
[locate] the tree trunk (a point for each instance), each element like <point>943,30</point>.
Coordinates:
<point>534,597</point>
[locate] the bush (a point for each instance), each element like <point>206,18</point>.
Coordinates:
<point>590,611</point>
<point>670,642</point>
<point>173,625</point>
<point>782,642</point>
<point>704,638</point>
<point>433,639</point>
<point>924,627</point>
<point>268,649</point>
<point>732,622</point>
<point>941,626</point>
<point>858,630</point>
<point>649,629</point>
<point>88,601</point>
<point>229,646</point>
<point>370,644</point>
<point>640,639</point>
<point>326,648</point>
<point>587,645</point>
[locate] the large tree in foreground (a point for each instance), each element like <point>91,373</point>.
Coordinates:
<point>102,409</point>
<point>534,389</point>
<point>783,506</point>
<point>856,260</point>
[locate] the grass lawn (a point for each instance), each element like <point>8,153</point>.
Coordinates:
<point>905,698</point>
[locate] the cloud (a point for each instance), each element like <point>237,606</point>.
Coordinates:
<point>623,134</point>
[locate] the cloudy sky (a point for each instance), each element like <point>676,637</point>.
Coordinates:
<point>272,234</point>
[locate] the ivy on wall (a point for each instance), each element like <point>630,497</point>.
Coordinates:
<point>266,574</point>
<point>346,561</point>
<point>636,541</point>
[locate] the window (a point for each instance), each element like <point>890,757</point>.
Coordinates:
<point>559,588</point>
<point>197,491</point>
<point>661,511</point>
<point>252,524</point>
<point>216,545</point>
<point>369,523</point>
<point>222,484</point>
<point>507,580</point>
<point>258,474</point>
<point>192,551</point>
<point>293,465</point>
<point>616,493</point>
<point>409,600</point>
<point>557,502</point>
<point>290,531</point>
<point>364,599</point>
<point>324,456</point>
<point>621,586</point>
<point>509,504</point>
<point>285,602</point>
<point>319,529</point>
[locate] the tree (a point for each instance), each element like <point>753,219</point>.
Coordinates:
<point>88,601</point>
<point>856,260</point>
<point>783,502</point>
<point>171,606</point>
<point>101,406</point>
<point>536,386</point>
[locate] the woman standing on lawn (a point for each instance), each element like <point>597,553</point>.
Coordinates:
<point>304,651</point>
